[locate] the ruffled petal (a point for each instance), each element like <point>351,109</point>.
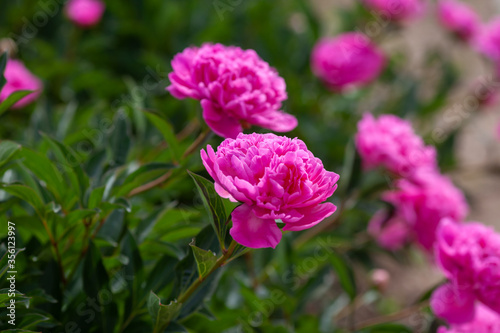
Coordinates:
<point>453,305</point>
<point>253,232</point>
<point>312,217</point>
<point>221,123</point>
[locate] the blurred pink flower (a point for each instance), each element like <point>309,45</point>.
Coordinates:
<point>423,202</point>
<point>275,178</point>
<point>484,321</point>
<point>348,60</point>
<point>458,18</point>
<point>397,10</point>
<point>488,40</point>
<point>391,232</point>
<point>236,88</point>
<point>469,255</point>
<point>85,13</point>
<point>18,77</point>
<point>390,142</point>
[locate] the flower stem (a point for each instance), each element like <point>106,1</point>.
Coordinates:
<point>220,262</point>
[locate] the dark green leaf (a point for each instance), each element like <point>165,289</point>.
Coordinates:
<point>162,314</point>
<point>7,151</point>
<point>344,274</point>
<point>214,206</point>
<point>3,64</point>
<point>168,134</point>
<point>121,139</point>
<point>205,260</point>
<point>12,99</point>
<point>27,194</point>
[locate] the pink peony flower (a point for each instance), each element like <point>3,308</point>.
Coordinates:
<point>488,40</point>
<point>85,13</point>
<point>397,10</point>
<point>485,321</point>
<point>469,255</point>
<point>458,18</point>
<point>18,77</point>
<point>423,201</point>
<point>348,60</point>
<point>390,142</point>
<point>275,178</point>
<point>391,232</point>
<point>236,88</point>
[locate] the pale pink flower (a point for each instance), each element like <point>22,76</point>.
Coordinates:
<point>85,13</point>
<point>390,142</point>
<point>458,18</point>
<point>236,88</point>
<point>469,256</point>
<point>275,178</point>
<point>346,61</point>
<point>397,10</point>
<point>18,77</point>
<point>391,232</point>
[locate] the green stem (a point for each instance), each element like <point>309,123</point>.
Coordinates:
<point>220,262</point>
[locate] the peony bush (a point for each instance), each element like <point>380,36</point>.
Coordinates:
<point>256,166</point>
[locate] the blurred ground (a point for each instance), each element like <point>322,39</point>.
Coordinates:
<point>477,151</point>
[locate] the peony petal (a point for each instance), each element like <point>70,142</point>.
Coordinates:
<point>221,123</point>
<point>251,231</point>
<point>278,121</point>
<point>311,217</point>
<point>453,305</point>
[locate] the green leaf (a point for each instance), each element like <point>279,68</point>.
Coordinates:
<point>163,273</point>
<point>7,151</point>
<point>79,215</point>
<point>121,139</point>
<point>162,314</point>
<point>27,194</point>
<point>205,260</point>
<point>168,134</point>
<point>4,258</point>
<point>70,164</point>
<point>214,206</point>
<point>13,99</point>
<point>344,274</point>
<point>30,320</point>
<point>143,175</point>
<point>95,197</point>
<point>6,295</point>
<point>3,64</point>
<point>45,170</point>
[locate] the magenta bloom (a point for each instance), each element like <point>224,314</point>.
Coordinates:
<point>391,232</point>
<point>390,142</point>
<point>348,60</point>
<point>485,321</point>
<point>469,255</point>
<point>458,18</point>
<point>422,203</point>
<point>397,10</point>
<point>488,40</point>
<point>18,77</point>
<point>236,88</point>
<point>85,13</point>
<point>275,178</point>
